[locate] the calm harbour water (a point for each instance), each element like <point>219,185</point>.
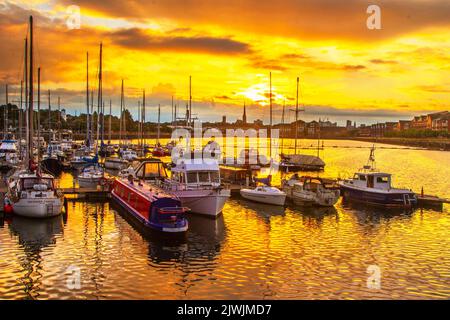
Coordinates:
<point>252,251</point>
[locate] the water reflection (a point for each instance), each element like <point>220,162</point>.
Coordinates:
<point>34,235</point>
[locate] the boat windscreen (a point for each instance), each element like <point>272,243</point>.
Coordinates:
<point>28,183</point>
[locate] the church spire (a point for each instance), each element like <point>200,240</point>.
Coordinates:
<point>244,116</point>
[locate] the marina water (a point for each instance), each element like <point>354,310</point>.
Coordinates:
<point>252,251</point>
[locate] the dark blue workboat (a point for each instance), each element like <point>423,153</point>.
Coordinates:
<point>375,188</point>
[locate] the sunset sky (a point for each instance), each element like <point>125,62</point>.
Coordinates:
<point>229,47</point>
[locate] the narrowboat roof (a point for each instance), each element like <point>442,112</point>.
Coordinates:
<point>145,189</point>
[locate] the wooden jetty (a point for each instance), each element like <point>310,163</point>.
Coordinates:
<point>427,200</point>
<point>86,193</point>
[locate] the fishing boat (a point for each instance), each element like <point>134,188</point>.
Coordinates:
<point>265,194</point>
<point>152,207</point>
<point>311,191</point>
<point>198,186</point>
<point>373,187</point>
<point>91,177</point>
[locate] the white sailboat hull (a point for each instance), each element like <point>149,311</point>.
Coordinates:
<point>116,165</point>
<point>88,182</point>
<point>38,208</point>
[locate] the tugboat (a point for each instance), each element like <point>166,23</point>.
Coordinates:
<point>150,206</point>
<point>372,187</point>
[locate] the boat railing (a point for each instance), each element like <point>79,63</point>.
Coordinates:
<point>176,186</point>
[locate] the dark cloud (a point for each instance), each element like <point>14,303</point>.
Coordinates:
<point>308,19</point>
<point>381,61</point>
<point>140,39</point>
<point>434,88</point>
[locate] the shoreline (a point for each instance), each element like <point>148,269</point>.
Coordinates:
<point>437,144</point>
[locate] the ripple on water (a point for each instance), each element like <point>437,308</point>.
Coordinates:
<point>252,251</point>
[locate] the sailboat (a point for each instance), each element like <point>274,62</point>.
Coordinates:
<point>300,162</point>
<point>52,161</point>
<point>117,163</point>
<point>30,192</point>
<point>94,174</point>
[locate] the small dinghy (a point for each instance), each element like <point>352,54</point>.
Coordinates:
<point>265,194</point>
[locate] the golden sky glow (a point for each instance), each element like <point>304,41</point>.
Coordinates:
<point>229,48</point>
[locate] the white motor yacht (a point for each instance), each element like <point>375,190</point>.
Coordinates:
<point>311,191</point>
<point>265,194</point>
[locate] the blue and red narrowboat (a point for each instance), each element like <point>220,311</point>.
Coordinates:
<point>151,206</point>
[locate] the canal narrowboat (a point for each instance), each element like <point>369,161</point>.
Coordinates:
<point>373,187</point>
<point>151,206</point>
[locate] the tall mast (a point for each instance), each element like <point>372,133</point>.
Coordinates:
<point>99,102</point>
<point>173,114</point>
<point>49,118</point>
<point>88,142</point>
<point>5,125</point>
<point>159,119</point>
<point>143,119</point>
<point>25,124</point>
<point>270,102</point>
<point>110,107</point>
<point>91,138</point>
<point>190,100</point>
<point>39,115</point>
<point>139,123</point>
<point>59,118</point>
<point>103,123</point>
<point>121,114</point>
<point>20,119</point>
<point>296,120</point>
<point>30,99</point>
<point>283,131</point>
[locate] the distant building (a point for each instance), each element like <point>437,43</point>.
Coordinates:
<point>224,119</point>
<point>244,116</point>
<point>258,123</point>
<point>441,122</point>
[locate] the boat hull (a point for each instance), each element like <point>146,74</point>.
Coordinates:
<point>205,202</point>
<point>274,199</point>
<point>88,182</point>
<point>38,208</point>
<point>54,166</point>
<point>385,199</point>
<point>115,165</point>
<point>180,230</point>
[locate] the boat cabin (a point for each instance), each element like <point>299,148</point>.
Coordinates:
<point>151,170</point>
<point>375,180</point>
<point>196,174</point>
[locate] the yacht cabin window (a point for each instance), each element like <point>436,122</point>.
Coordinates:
<point>362,177</point>
<point>382,179</point>
<point>192,177</point>
<point>215,177</point>
<point>203,177</point>
<point>29,183</point>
